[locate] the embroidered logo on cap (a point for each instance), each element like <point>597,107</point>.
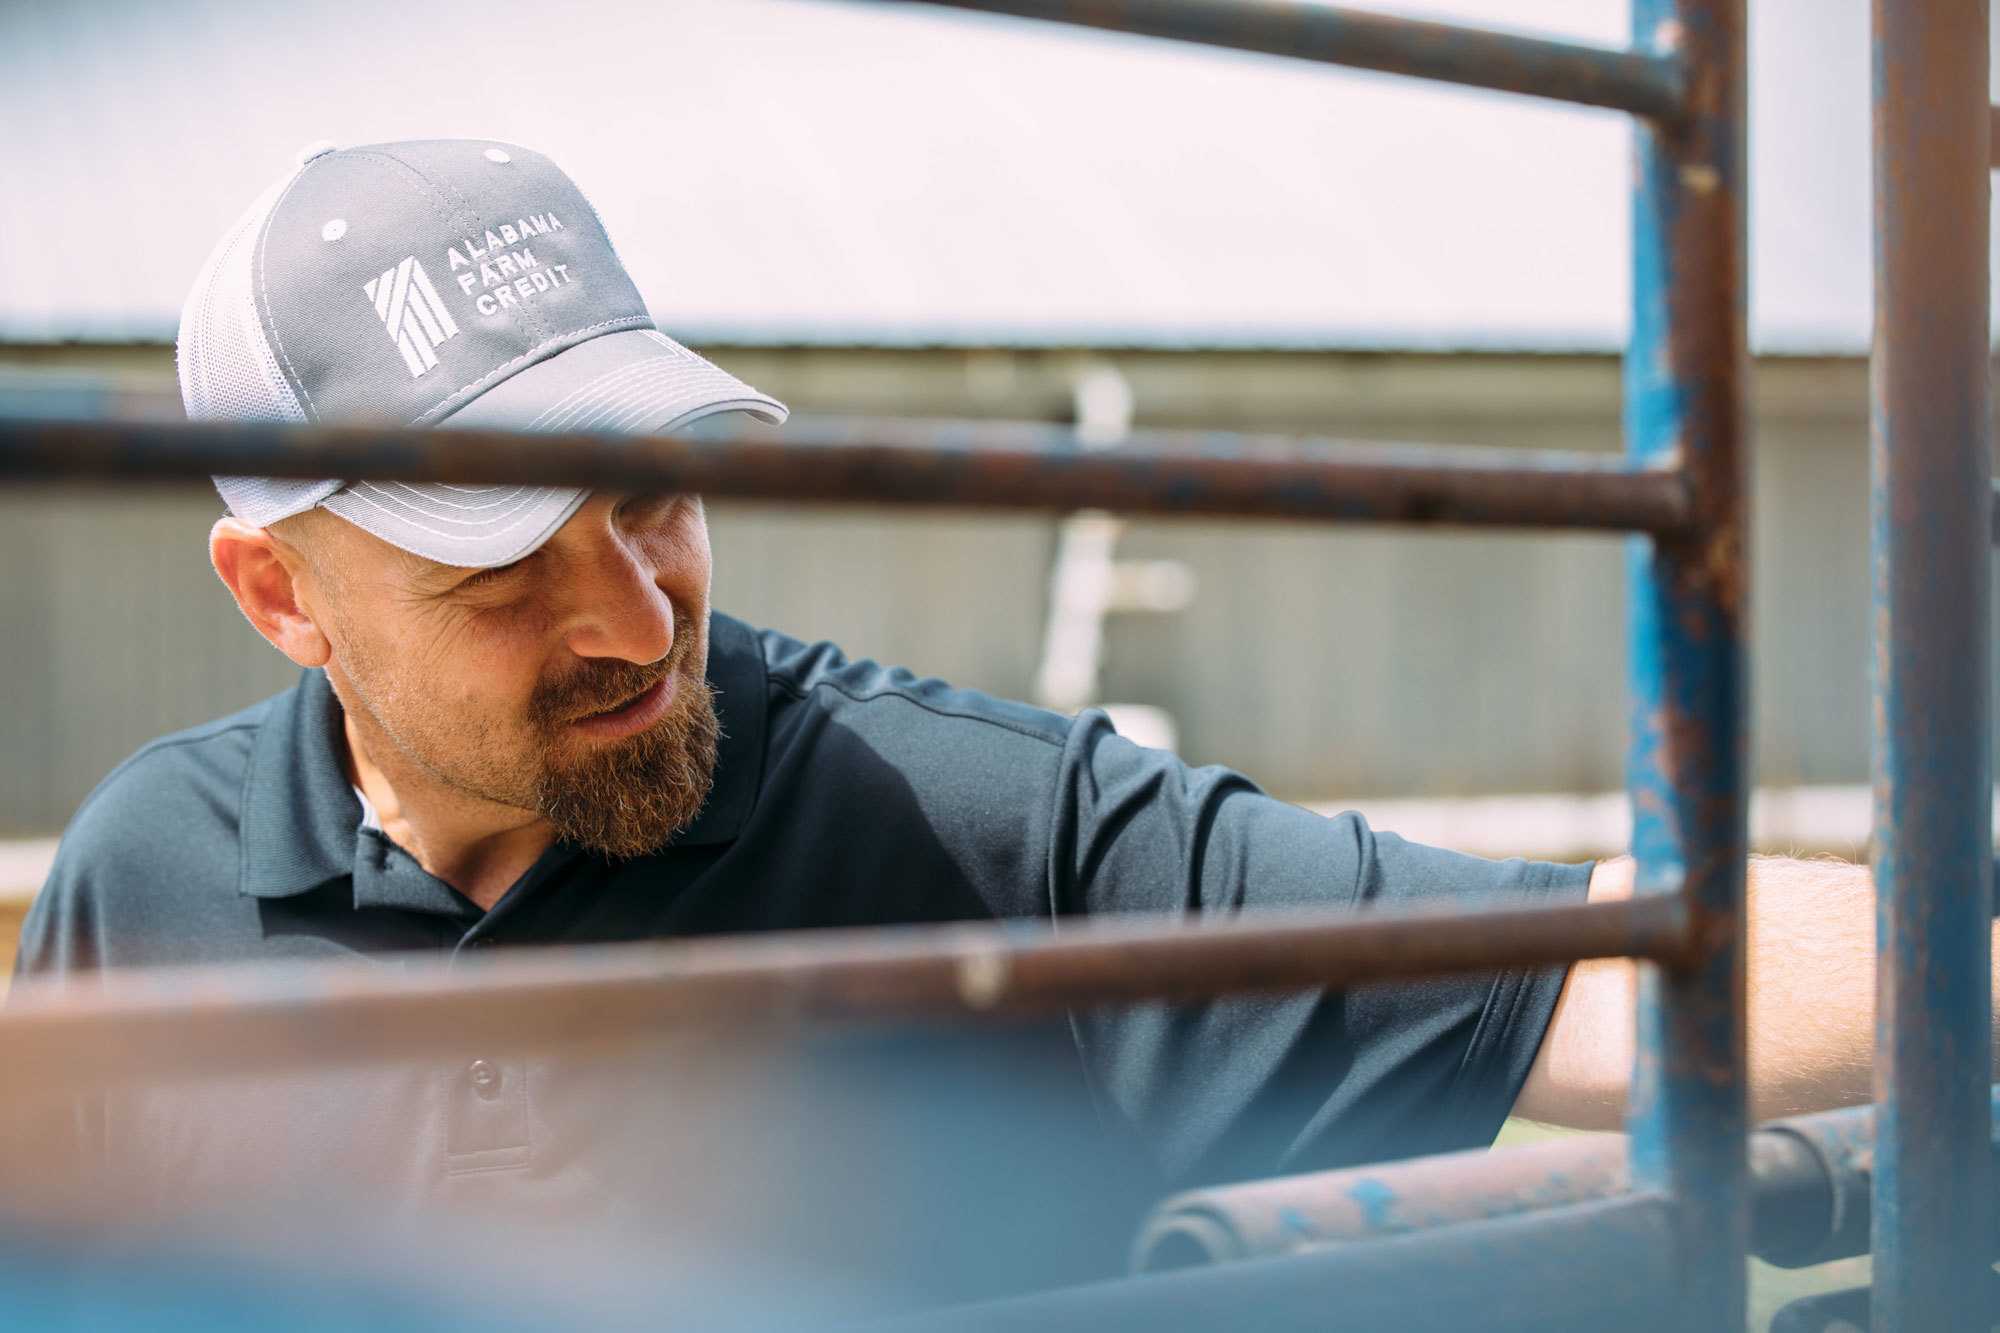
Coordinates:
<point>412,313</point>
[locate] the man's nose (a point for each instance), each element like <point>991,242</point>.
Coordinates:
<point>618,608</point>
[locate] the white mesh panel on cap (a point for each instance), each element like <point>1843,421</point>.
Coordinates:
<point>227,369</point>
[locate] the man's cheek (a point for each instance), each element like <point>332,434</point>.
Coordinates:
<point>495,665</point>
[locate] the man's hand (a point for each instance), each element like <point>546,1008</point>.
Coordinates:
<point>1811,954</point>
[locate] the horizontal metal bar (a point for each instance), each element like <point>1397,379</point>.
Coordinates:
<point>1600,1265</point>
<point>1630,81</point>
<point>147,1025</point>
<point>1841,1311</point>
<point>1285,1214</point>
<point>902,461</point>
<point>1810,1179</point>
<point>1825,1312</point>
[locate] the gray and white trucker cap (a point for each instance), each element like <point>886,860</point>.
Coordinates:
<point>453,282</point>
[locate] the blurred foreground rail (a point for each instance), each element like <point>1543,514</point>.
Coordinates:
<point>132,1027</point>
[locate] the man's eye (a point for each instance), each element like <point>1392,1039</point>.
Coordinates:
<point>486,576</point>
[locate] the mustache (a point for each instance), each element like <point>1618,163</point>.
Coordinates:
<point>599,685</point>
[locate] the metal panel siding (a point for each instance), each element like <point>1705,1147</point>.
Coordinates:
<point>1685,372</point>
<point>959,596</point>
<point>1347,663</point>
<point>1932,542</point>
<point>1343,664</point>
<point>116,632</point>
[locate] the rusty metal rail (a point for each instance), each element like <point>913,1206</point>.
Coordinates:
<point>1931,471</point>
<point>988,465</point>
<point>135,1027</point>
<point>1810,1182</point>
<point>1604,1264</point>
<point>1639,82</point>
<point>1667,1255</point>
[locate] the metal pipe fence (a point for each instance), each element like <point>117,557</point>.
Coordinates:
<point>1667,1251</point>
<point>1810,1185</point>
<point>1931,473</point>
<point>135,1027</point>
<point>982,465</point>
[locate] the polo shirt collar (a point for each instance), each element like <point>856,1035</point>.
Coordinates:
<point>301,824</point>
<point>299,812</point>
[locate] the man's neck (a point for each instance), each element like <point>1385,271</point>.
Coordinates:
<point>478,847</point>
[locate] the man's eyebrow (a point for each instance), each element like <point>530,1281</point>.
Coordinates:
<point>457,574</point>
<point>435,573</point>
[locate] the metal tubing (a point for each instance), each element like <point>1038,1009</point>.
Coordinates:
<point>1809,1184</point>
<point>1600,1265</point>
<point>1844,1311</point>
<point>148,1025</point>
<point>1262,1218</point>
<point>988,465</point>
<point>1932,539</point>
<point>1639,82</point>
<point>1828,1312</point>
<point>1684,398</point>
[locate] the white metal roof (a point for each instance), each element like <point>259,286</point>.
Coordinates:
<point>823,171</point>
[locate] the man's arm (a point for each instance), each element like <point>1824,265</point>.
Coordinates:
<point>1811,963</point>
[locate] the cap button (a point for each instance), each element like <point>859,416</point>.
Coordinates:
<point>317,148</point>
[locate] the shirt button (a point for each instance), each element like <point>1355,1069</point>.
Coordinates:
<point>485,1079</point>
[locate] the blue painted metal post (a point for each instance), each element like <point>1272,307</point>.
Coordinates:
<point>1932,543</point>
<point>1684,375</point>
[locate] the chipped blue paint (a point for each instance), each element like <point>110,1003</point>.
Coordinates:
<point>1684,374</point>
<point>1377,1203</point>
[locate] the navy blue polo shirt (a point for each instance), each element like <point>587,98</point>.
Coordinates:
<point>849,794</point>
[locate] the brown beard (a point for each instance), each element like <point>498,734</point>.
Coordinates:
<point>631,798</point>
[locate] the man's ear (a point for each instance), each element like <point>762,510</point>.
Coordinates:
<point>264,577</point>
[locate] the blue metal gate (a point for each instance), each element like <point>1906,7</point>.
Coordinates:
<point>1665,1242</point>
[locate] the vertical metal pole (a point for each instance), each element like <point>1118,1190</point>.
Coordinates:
<point>1684,395</point>
<point>1932,544</point>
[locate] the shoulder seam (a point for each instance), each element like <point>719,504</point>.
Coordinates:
<point>793,689</point>
<point>152,747</point>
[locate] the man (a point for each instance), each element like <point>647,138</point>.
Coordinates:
<point>522,723</point>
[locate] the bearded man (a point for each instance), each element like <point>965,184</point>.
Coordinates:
<point>521,723</point>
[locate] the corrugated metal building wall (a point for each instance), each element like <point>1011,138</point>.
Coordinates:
<point>1324,664</point>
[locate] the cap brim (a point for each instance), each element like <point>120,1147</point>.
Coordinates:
<point>635,382</point>
<point>473,526</point>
